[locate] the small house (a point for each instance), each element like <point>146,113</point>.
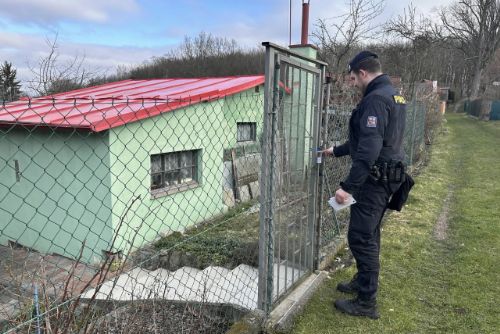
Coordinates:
<point>110,168</point>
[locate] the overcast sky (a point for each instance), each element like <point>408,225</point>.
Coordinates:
<point>127,32</point>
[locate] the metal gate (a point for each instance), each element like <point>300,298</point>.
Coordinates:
<point>289,175</point>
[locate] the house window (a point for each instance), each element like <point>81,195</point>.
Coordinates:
<point>246,132</point>
<point>174,171</point>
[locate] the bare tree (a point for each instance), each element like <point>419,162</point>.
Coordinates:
<point>51,76</point>
<point>474,27</point>
<point>415,32</point>
<point>202,55</point>
<point>491,78</point>
<point>206,45</point>
<point>337,37</point>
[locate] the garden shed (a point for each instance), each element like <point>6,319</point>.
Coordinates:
<point>110,168</point>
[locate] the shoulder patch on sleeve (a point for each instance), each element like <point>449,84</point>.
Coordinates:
<point>399,99</point>
<point>371,122</point>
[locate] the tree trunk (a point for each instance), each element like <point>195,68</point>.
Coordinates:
<point>476,80</point>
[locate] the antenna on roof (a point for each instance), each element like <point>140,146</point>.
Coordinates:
<point>290,23</point>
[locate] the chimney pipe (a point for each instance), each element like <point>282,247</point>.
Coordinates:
<point>305,23</point>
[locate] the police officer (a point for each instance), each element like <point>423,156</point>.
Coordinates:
<point>376,147</point>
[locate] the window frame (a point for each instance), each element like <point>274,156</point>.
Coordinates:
<point>168,189</point>
<point>253,132</point>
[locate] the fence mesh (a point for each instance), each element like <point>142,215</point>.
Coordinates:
<point>423,118</point>
<point>114,222</point>
<point>336,125</point>
<point>125,215</point>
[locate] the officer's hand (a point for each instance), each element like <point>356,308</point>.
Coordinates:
<point>341,196</point>
<point>328,151</point>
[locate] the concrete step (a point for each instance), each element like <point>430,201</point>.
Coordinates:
<point>238,287</point>
<point>247,279</point>
<point>207,279</point>
<point>212,285</point>
<point>176,285</point>
<point>127,286</point>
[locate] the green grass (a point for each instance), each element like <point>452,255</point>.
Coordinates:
<point>429,285</point>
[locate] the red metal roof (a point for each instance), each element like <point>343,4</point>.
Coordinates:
<point>110,105</point>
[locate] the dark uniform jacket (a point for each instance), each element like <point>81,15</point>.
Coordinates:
<point>375,132</point>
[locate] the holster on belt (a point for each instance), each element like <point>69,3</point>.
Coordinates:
<point>388,171</point>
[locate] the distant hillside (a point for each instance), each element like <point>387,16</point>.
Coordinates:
<point>201,56</point>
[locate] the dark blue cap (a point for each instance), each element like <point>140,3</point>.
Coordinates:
<point>360,57</point>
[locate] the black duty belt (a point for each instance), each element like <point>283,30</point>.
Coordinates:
<point>388,171</point>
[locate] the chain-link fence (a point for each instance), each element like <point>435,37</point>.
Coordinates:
<point>335,131</point>
<point>133,206</point>
<point>423,118</point>
<point>414,131</point>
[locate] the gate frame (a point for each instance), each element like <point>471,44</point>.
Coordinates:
<point>275,54</point>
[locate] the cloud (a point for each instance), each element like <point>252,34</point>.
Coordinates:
<point>249,26</point>
<point>25,50</point>
<point>53,12</point>
<point>273,25</point>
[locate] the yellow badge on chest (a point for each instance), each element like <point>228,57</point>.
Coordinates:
<point>399,99</point>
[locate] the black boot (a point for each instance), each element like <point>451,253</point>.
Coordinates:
<point>358,307</point>
<point>349,287</point>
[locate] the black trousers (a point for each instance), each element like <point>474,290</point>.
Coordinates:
<point>364,233</point>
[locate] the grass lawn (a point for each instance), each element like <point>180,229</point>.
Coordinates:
<point>440,262</point>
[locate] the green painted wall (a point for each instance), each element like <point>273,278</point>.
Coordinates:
<point>71,180</point>
<point>307,97</point>
<point>306,50</point>
<point>297,117</point>
<point>62,197</point>
<point>207,127</point>
<point>247,106</point>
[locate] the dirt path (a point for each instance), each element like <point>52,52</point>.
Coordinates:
<point>441,227</point>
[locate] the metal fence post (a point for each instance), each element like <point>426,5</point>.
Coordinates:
<point>266,244</point>
<point>412,143</point>
<point>273,169</point>
<point>324,127</point>
<point>264,188</point>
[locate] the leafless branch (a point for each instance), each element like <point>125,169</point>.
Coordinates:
<point>51,76</point>
<point>338,36</point>
<point>474,27</point>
